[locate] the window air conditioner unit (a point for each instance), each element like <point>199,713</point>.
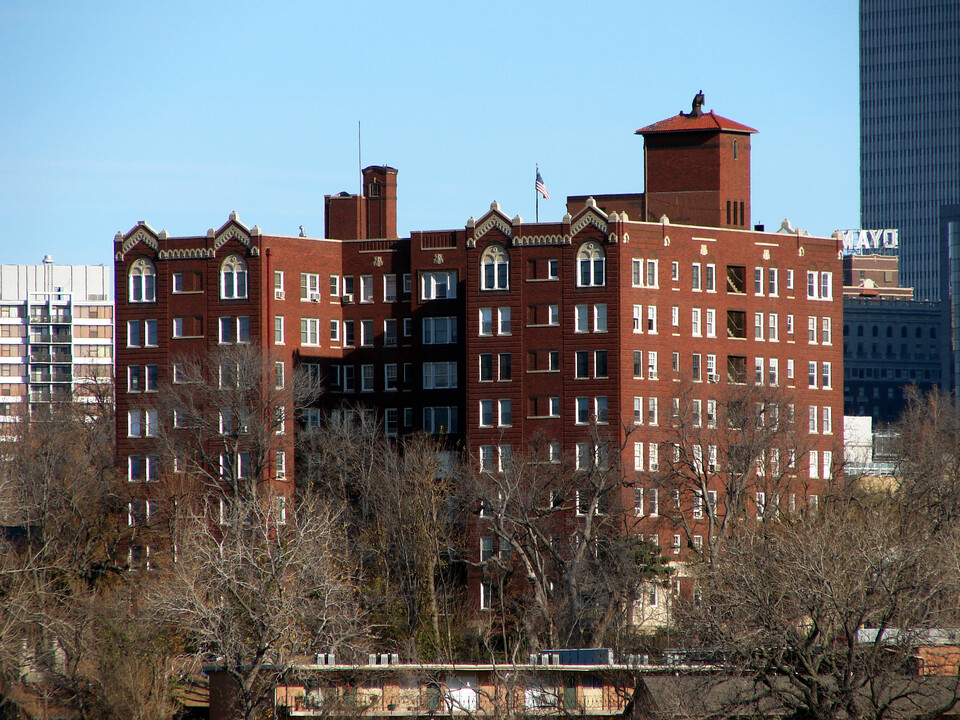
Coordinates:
<point>347,298</point>
<point>713,378</point>
<point>279,295</point>
<point>314,297</point>
<point>324,659</point>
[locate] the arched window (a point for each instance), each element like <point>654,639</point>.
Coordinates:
<point>591,265</point>
<point>143,281</point>
<point>233,278</point>
<point>494,269</point>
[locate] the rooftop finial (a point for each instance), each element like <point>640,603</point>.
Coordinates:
<point>696,109</point>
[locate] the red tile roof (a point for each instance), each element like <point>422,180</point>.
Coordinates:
<point>705,122</point>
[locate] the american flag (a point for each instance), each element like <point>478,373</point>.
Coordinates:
<point>541,188</point>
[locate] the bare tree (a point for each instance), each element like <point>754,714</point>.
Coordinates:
<point>398,496</point>
<point>820,617</point>
<point>928,471</point>
<point>258,591</point>
<point>730,457</point>
<point>63,579</point>
<point>555,549</point>
<point>225,416</point>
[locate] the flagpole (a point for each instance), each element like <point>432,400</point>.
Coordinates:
<point>537,194</point>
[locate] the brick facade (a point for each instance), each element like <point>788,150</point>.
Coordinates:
<point>479,328</point>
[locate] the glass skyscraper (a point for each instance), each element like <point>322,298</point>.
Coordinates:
<point>910,130</point>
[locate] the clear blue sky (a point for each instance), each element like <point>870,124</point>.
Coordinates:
<point>177,113</point>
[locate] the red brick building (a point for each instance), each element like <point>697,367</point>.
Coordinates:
<point>504,331</point>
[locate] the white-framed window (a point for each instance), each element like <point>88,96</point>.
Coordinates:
<point>486,413</point>
<point>652,319</point>
<point>233,278</point>
<point>638,449</point>
<point>438,285</point>
<point>652,371</point>
<point>772,329</point>
<point>653,458</point>
<point>443,330</point>
<point>390,288</point>
<point>758,281</point>
<point>280,466</point>
<point>390,422</point>
<point>638,410</point>
<point>637,272</point>
<point>142,281</point>
<point>591,265</point>
<point>348,333</point>
<point>600,409</point>
<point>134,423</point>
<point>366,288</point>
<point>812,330</point>
<point>813,464</point>
<point>366,333</point>
<point>390,377</point>
<point>772,288</point>
<point>711,322</point>
<point>826,377</point>
<point>504,412</point>
<point>390,331</point>
<point>581,318</point>
<point>347,282</point>
<point>439,375</point>
<point>553,406</point>
<point>812,374</point>
<point>695,322</point>
<point>758,371</point>
<point>366,378</point>
<point>279,379</point>
<point>504,366</point>
<point>758,326</point>
<point>675,270</point>
<point>310,287</point>
<point>826,416</point>
<point>790,369</point>
<point>773,374</point>
<point>486,322</point>
<point>813,419</point>
<point>334,332</point>
<point>638,318</point>
<point>503,321</point>
<point>600,318</point>
<point>711,278</point>
<point>827,456</point>
<point>789,279</point>
<point>652,410</point>
<point>553,269</point>
<point>310,331</point>
<point>278,292</point>
<point>334,286</point>
<point>133,333</point>
<point>696,283</point>
<point>494,269</point>
<point>553,315</point>
<point>826,286</point>
<point>826,331</point>
<point>582,408</point>
<point>440,420</point>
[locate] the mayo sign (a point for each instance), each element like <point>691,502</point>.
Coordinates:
<point>869,242</point>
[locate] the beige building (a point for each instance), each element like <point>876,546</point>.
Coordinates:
<point>56,334</point>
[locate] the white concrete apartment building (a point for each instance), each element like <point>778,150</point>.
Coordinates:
<point>56,333</point>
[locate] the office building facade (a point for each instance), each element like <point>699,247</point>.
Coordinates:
<point>910,130</point>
